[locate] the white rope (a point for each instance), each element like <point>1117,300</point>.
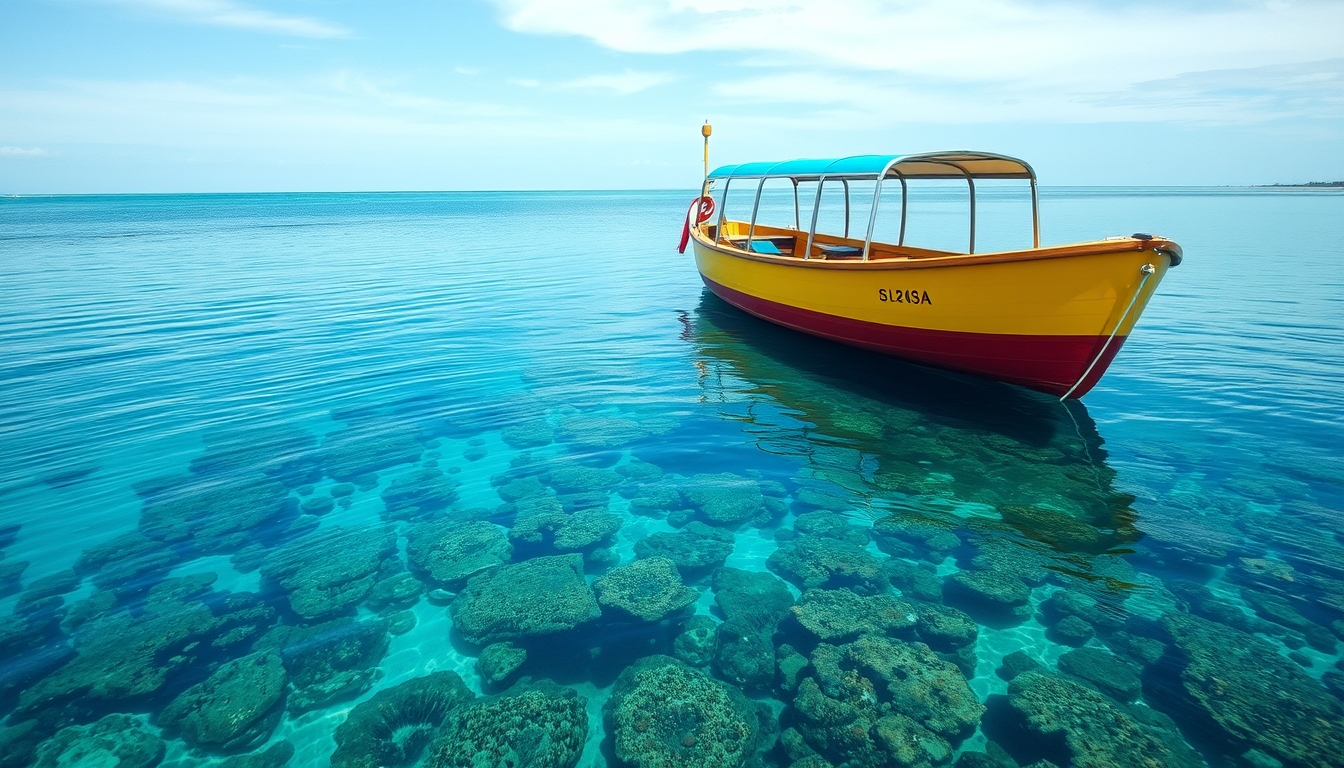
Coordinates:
<point>1147,270</point>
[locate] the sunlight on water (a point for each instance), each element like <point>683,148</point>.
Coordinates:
<point>489,479</point>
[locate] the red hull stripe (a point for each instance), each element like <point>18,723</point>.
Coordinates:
<point>1045,363</point>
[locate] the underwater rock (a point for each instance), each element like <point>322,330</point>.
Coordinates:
<point>400,622</point>
<point>11,576</point>
<point>520,488</point>
<point>19,742</point>
<point>606,432</point>
<point>440,597</point>
<point>943,628</point>
<point>1092,731</point>
<point>450,552</point>
<point>1017,663</point>
<point>542,725</point>
<point>236,708</point>
<point>498,662</point>
<point>392,728</point>
<point>730,500</point>
<point>1071,630</point>
<point>1254,696</point>
<point>331,570</point>
<point>475,450</point>
<point>532,434</point>
<point>648,589</point>
<point>745,654</point>
<point>664,713</point>
<point>317,505</point>
<point>419,494</point>
<point>915,581</point>
<point>116,740</point>
<point>542,520</point>
<point>836,615</point>
<point>125,656</point>
<point>1144,651</point>
<point>818,561</point>
<point>638,471</point>
<point>59,583</point>
<point>752,598</point>
<point>791,665</point>
<point>906,535</point>
<point>341,490</point>
<point>126,547</point>
<point>277,755</point>
<point>205,513</point>
<point>884,702</point>
<point>329,662</point>
<point>579,478</point>
<point>657,500</point>
<point>696,549</point>
<point>1279,610</point>
<point>349,453</point>
<point>991,592</point>
<point>697,642</point>
<point>1103,670</point>
<point>1062,530</point>
<point>831,525</point>
<point>540,596</point>
<point>400,590</point>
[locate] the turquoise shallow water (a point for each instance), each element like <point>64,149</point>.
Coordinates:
<point>267,459</point>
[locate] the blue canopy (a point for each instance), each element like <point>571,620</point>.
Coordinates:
<point>958,164</point>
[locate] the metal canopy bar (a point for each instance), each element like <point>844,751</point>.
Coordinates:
<point>845,182</point>
<point>1035,216</point>
<point>872,218</point>
<point>723,212</point>
<point>816,208</point>
<point>796,224</point>
<point>755,206</point>
<point>905,201</point>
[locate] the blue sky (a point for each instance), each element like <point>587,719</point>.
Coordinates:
<point>261,95</point>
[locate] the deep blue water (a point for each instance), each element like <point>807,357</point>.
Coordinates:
<point>194,374</point>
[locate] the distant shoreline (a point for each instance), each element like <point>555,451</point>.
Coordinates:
<point>1313,184</point>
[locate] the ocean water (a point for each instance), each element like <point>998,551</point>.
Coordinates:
<point>264,458</point>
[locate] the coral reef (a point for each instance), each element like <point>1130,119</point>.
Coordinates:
<point>753,603</point>
<point>540,596</point>
<point>419,494</point>
<point>664,713</point>
<point>697,642</point>
<point>392,729</point>
<point>116,740</point>
<point>330,571</point>
<point>729,500</point>
<point>542,725</point>
<point>821,561</point>
<point>1251,694</point>
<point>329,662</point>
<point>648,589</point>
<point>498,662</point>
<point>1103,670</point>
<point>543,521</point>
<point>277,755</point>
<point>1090,730</point>
<point>837,615</point>
<point>450,552</point>
<point>236,708</point>
<point>348,454</point>
<point>696,549</point>
<point>212,514</point>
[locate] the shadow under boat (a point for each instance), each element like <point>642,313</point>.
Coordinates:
<point>1039,463</point>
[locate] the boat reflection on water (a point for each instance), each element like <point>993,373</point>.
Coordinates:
<point>922,449</point>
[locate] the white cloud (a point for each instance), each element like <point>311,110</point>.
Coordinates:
<point>225,13</point>
<point>1030,50</point>
<point>21,152</point>
<point>624,84</point>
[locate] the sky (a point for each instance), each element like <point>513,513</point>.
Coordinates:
<point>333,95</point>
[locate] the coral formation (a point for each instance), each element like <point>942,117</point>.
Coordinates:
<point>664,713</point>
<point>392,728</point>
<point>821,561</point>
<point>236,708</point>
<point>419,494</point>
<point>329,662</point>
<point>648,589</point>
<point>542,725</point>
<point>330,571</point>
<point>837,615</point>
<point>498,662</point>
<point>115,740</point>
<point>540,596</point>
<point>449,551</point>
<point>753,603</point>
<point>696,549</point>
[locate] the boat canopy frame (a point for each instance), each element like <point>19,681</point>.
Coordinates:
<point>956,164</point>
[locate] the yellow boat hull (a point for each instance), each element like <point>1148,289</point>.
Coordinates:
<point>1050,319</point>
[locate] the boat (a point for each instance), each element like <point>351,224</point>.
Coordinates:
<point>1049,318</point>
